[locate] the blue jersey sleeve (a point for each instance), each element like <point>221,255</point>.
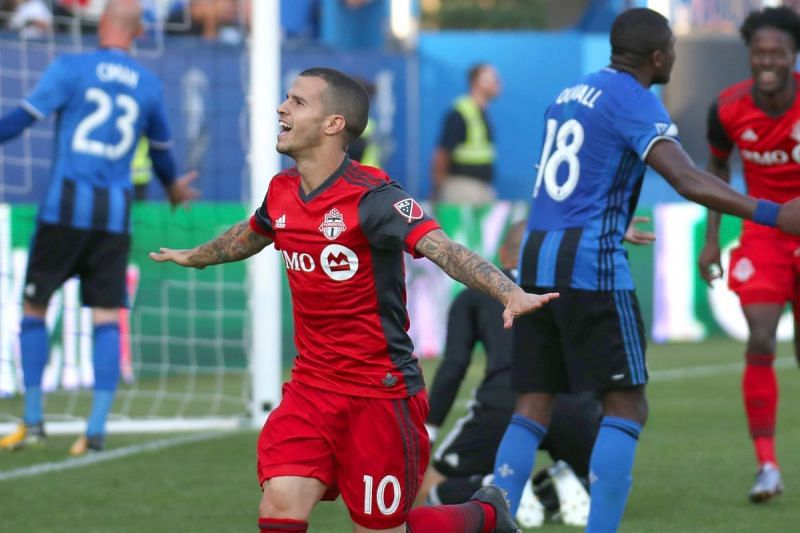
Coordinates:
<point>51,92</point>
<point>643,121</point>
<point>157,128</point>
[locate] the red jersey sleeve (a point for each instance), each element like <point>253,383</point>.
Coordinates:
<point>391,218</point>
<point>718,141</point>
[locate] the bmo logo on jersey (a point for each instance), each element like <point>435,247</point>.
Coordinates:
<point>339,263</point>
<point>299,261</point>
<point>770,158</point>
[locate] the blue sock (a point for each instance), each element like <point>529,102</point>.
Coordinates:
<point>33,343</point>
<point>611,468</point>
<point>106,375</point>
<point>515,457</point>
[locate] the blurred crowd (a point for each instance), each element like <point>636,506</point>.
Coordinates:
<point>212,19</point>
<point>224,20</point>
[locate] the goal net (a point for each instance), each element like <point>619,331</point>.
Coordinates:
<point>187,336</point>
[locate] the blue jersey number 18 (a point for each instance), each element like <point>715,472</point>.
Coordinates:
<point>568,140</point>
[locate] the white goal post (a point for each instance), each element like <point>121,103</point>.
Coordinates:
<point>264,275</point>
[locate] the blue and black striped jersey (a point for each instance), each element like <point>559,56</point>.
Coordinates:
<point>598,134</point>
<point>104,101</point>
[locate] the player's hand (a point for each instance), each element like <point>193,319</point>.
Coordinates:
<point>179,257</point>
<point>789,217</point>
<point>521,303</point>
<point>181,191</point>
<point>636,236</point>
<point>709,263</point>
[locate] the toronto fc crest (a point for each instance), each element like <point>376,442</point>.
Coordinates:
<point>333,224</point>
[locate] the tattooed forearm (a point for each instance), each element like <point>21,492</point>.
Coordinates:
<point>239,242</point>
<point>465,266</point>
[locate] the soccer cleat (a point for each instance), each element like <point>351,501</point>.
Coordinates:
<point>573,500</point>
<point>768,484</point>
<point>85,444</point>
<point>494,496</point>
<point>24,436</point>
<point>530,512</point>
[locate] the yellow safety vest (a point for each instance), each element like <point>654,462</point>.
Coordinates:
<point>477,148</point>
<point>372,151</point>
<point>141,167</point>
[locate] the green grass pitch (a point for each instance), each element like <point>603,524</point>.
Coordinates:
<point>693,469</point>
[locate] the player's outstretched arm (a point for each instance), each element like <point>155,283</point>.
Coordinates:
<point>472,270</point>
<point>671,161</point>
<point>239,242</point>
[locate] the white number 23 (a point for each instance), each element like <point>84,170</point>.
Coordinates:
<point>81,142</point>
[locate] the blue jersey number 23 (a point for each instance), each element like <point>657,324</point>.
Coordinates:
<point>81,142</point>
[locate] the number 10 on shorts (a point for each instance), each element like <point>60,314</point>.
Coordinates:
<point>379,494</point>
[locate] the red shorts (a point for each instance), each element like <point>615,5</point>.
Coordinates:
<point>374,451</point>
<point>763,268</point>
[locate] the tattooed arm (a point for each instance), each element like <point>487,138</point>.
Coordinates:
<point>239,242</point>
<point>469,268</point>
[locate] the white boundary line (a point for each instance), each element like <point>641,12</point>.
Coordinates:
<point>676,374</point>
<point>110,455</point>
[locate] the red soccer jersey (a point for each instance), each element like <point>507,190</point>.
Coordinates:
<point>343,249</point>
<point>769,146</point>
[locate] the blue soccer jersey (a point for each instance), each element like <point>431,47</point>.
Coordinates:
<point>104,101</point>
<point>597,137</point>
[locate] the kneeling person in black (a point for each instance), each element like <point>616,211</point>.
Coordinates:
<point>465,456</point>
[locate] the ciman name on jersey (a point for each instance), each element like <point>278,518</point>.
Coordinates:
<point>119,73</point>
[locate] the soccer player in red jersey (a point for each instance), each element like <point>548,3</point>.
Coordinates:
<point>761,116</point>
<point>351,420</point>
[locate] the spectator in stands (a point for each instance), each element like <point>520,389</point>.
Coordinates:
<point>213,19</point>
<point>463,164</point>
<point>32,18</point>
<point>300,21</point>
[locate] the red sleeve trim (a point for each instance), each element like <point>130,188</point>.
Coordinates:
<point>417,233</point>
<point>261,231</point>
<point>719,153</point>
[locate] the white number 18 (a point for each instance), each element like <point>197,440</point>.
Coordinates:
<point>568,140</point>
